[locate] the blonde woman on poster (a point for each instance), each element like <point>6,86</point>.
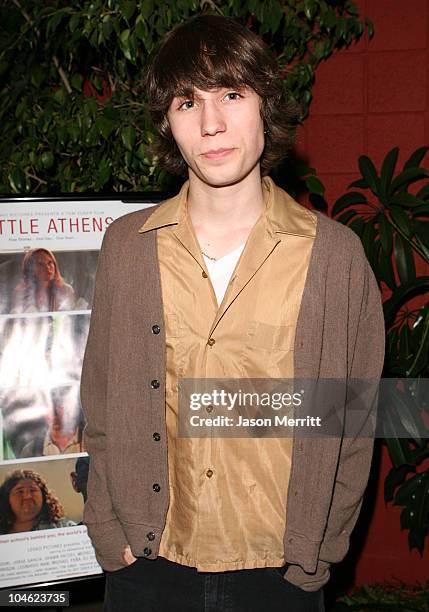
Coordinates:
<point>42,287</point>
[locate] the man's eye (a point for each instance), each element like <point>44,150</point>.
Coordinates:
<point>233,95</point>
<point>186,104</point>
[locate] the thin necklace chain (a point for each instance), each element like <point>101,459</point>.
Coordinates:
<point>208,256</point>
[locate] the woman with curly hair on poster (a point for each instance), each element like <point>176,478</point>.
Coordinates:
<point>27,504</point>
<point>42,287</point>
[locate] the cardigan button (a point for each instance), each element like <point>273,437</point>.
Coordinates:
<point>147,552</point>
<point>156,329</point>
<point>150,536</point>
<point>156,487</point>
<point>155,384</point>
<point>156,436</point>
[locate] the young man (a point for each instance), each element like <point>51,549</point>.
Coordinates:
<point>229,279</point>
<point>64,424</point>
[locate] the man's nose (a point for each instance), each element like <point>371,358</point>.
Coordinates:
<point>27,494</point>
<point>212,119</point>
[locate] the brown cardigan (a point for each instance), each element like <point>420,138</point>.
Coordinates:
<point>339,334</point>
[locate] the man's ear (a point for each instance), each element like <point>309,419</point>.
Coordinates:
<point>73,479</point>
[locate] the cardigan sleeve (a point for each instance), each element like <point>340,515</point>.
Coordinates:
<point>103,526</point>
<point>366,346</point>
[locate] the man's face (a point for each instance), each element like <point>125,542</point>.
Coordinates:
<point>26,500</point>
<point>220,133</point>
<point>65,413</point>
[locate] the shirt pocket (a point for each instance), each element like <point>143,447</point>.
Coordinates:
<point>267,350</point>
<point>270,337</point>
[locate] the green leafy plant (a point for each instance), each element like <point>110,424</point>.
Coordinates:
<point>72,109</point>
<point>390,214</point>
<point>392,597</point>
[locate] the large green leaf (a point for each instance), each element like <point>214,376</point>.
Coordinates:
<point>404,341</point>
<point>386,235</point>
<point>398,448</point>
<point>407,177</point>
<point>387,170</point>
<point>346,216</point>
<point>395,477</point>
<point>420,362</point>
<point>352,197</point>
<point>359,184</point>
<point>406,200</point>
<point>404,260</point>
<point>385,269</point>
<point>369,173</point>
<point>357,225</point>
<point>17,180</point>
<point>390,306</point>
<point>407,411</point>
<point>402,220</point>
<point>421,239</point>
<point>105,126</point>
<point>314,185</point>
<point>128,137</point>
<point>414,494</point>
<point>416,158</point>
<point>423,192</point>
<point>422,231</point>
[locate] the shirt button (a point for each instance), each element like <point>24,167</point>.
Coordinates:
<point>155,384</point>
<point>204,274</point>
<point>156,329</point>
<point>156,487</point>
<point>211,341</point>
<point>209,408</point>
<point>147,552</point>
<point>150,536</point>
<point>156,436</point>
<point>209,473</point>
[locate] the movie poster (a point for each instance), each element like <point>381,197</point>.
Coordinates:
<point>48,261</point>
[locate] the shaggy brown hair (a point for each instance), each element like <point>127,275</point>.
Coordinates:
<point>209,51</point>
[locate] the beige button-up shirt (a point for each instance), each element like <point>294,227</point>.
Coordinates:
<point>228,496</point>
<point>74,445</point>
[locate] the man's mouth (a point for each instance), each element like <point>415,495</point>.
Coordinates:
<point>216,153</point>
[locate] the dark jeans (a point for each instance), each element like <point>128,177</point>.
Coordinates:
<point>159,585</point>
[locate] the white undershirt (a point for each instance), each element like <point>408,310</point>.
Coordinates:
<point>220,271</point>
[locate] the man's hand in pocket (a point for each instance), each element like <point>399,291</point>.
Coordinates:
<point>128,556</point>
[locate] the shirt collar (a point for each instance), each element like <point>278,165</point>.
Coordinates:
<point>169,212</point>
<point>49,443</point>
<point>284,215</point>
